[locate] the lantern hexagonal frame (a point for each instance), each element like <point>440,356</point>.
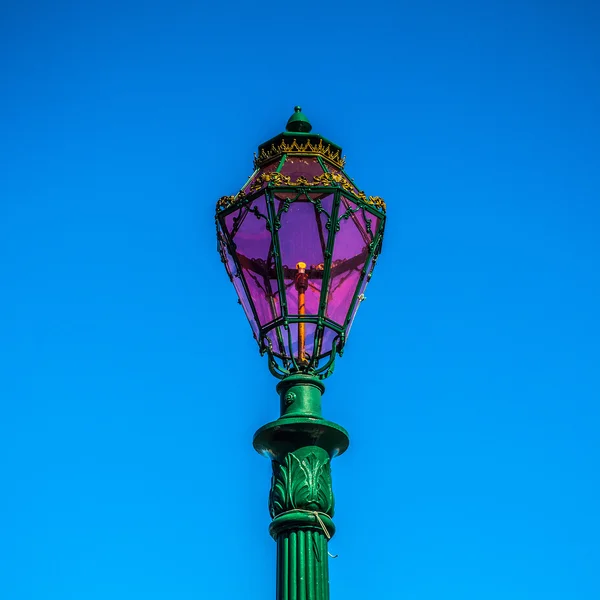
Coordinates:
<point>299,241</point>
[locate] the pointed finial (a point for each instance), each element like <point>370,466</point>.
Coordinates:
<point>298,122</point>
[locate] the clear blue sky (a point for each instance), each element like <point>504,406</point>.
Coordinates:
<point>131,385</point>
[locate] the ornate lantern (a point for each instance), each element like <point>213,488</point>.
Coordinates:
<point>299,242</point>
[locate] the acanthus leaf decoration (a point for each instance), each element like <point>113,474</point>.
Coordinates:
<point>302,483</point>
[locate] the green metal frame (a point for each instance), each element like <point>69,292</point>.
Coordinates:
<point>322,363</point>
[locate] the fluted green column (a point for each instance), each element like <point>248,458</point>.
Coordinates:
<point>301,445</point>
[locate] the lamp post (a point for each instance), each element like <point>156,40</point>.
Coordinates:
<point>299,241</point>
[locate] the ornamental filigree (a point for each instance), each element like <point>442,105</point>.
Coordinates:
<point>302,481</point>
<point>376,201</point>
<point>278,179</point>
<point>324,150</point>
<point>274,178</point>
<point>325,180</point>
<point>226,202</point>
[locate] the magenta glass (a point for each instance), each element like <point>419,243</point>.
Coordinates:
<point>328,339</point>
<point>337,171</point>
<point>350,252</point>
<point>230,221</point>
<point>254,250</point>
<point>272,166</point>
<point>280,339</point>
<point>303,238</point>
<point>361,290</point>
<point>367,222</point>
<point>299,166</point>
<point>237,283</point>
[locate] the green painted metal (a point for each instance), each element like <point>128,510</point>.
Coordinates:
<point>298,122</point>
<point>301,445</point>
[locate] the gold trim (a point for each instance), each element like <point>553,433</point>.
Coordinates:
<point>300,148</point>
<point>274,178</point>
<point>226,202</point>
<point>376,201</point>
<point>324,180</point>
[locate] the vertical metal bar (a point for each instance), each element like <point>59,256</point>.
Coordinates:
<point>310,566</point>
<point>276,253</point>
<point>279,566</point>
<point>301,565</point>
<point>325,569</point>
<point>301,325</point>
<point>281,161</point>
<point>330,244</point>
<point>319,566</point>
<point>285,578</point>
<point>293,566</point>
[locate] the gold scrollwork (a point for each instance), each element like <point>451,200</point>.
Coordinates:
<point>376,201</point>
<point>279,179</point>
<point>274,178</point>
<point>226,202</point>
<point>296,147</point>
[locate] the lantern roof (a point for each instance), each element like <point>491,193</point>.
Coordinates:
<point>298,122</point>
<point>298,139</point>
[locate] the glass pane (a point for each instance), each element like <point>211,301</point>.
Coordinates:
<point>361,290</point>
<point>279,341</point>
<point>299,166</point>
<point>237,282</point>
<point>368,223</point>
<point>303,239</point>
<point>254,249</point>
<point>272,166</point>
<point>329,336</point>
<point>281,338</point>
<point>350,252</point>
<point>233,219</point>
<point>337,171</point>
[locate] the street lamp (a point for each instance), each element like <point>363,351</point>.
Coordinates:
<point>299,241</point>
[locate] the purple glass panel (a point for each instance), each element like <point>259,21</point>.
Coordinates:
<point>272,166</point>
<point>281,196</point>
<point>350,252</point>
<point>303,238</point>
<point>301,166</point>
<point>232,219</point>
<point>237,283</point>
<point>254,250</point>
<point>361,290</point>
<point>337,171</point>
<point>279,340</point>
<point>284,342</point>
<point>229,264</point>
<point>329,336</point>
<point>239,288</point>
<point>368,223</point>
